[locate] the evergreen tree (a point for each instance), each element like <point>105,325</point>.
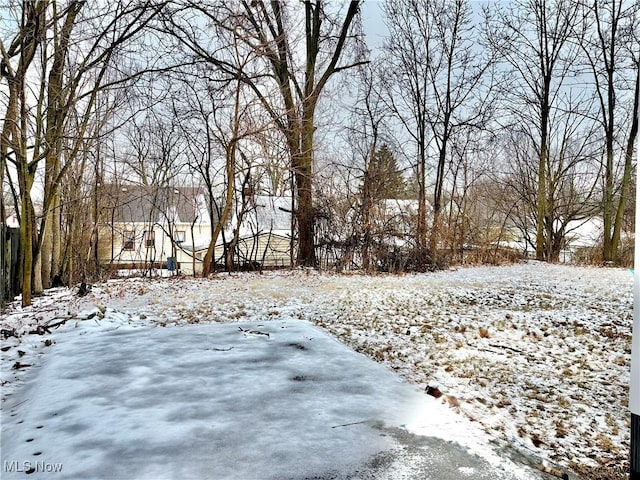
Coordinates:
<point>383,179</point>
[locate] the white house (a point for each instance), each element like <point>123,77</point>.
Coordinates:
<point>150,227</point>
<point>264,233</point>
<point>145,226</point>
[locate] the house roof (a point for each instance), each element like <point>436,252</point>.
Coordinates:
<point>395,206</point>
<point>267,214</point>
<point>152,203</point>
<point>584,233</point>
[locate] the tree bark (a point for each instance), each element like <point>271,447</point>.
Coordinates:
<point>625,190</point>
<point>230,168</point>
<point>305,211</point>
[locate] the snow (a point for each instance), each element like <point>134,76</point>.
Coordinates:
<point>229,401</point>
<point>532,355</point>
<point>12,221</point>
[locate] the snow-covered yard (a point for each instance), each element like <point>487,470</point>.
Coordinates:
<point>538,355</point>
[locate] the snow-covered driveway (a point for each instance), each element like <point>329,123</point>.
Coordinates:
<point>279,400</point>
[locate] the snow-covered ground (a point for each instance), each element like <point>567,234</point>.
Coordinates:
<point>236,401</point>
<point>538,355</point>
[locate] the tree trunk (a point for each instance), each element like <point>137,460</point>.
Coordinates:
<point>209,258</point>
<point>56,254</point>
<point>26,239</point>
<point>366,222</point>
<point>628,168</point>
<point>541,211</point>
<point>46,250</point>
<point>303,167</point>
<point>305,217</point>
<point>421,228</point>
<point>437,196</point>
<point>608,209</point>
<point>367,204</point>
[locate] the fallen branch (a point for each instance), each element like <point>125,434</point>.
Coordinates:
<point>505,347</point>
<point>40,330</point>
<point>349,424</point>
<point>18,365</point>
<point>61,322</point>
<point>253,332</point>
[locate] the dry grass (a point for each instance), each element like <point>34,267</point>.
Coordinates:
<point>613,471</point>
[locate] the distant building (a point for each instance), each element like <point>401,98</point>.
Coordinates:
<point>582,241</point>
<point>145,227</point>
<point>150,226</point>
<point>264,233</point>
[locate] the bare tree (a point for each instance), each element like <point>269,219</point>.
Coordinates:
<point>201,114</point>
<point>607,43</point>
<point>14,146</point>
<point>70,51</point>
<point>406,69</point>
<point>155,148</point>
<point>78,195</point>
<point>242,126</point>
<point>364,133</point>
<point>221,118</point>
<point>436,87</point>
<point>470,161</point>
<point>269,30</point>
<point>571,178</point>
<point>534,41</point>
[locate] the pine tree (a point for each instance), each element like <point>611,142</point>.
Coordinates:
<point>383,178</point>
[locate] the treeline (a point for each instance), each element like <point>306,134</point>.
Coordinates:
<point>469,125</point>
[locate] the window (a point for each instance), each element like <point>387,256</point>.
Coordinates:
<point>149,239</point>
<point>129,240</point>
<point>180,236</point>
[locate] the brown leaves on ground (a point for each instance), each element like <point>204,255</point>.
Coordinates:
<point>612,471</point>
